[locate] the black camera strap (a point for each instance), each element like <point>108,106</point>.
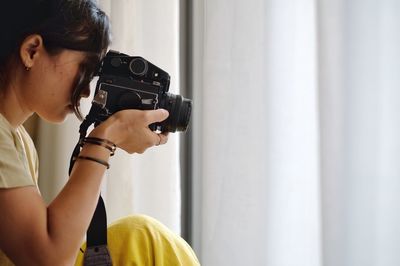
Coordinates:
<point>96,252</point>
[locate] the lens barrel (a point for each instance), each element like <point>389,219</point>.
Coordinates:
<point>179,109</point>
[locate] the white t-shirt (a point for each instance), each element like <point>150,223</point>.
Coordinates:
<point>19,164</point>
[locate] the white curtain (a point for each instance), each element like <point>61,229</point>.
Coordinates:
<point>148,183</point>
<point>296,132</point>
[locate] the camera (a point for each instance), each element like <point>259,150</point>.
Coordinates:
<point>132,82</point>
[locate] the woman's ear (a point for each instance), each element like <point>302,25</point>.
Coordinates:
<point>30,50</point>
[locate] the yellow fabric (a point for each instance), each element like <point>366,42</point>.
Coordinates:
<point>18,158</point>
<point>141,240</point>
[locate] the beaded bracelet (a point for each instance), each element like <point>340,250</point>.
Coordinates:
<point>102,162</point>
<point>101,142</point>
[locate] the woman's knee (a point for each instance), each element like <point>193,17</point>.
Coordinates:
<point>146,241</point>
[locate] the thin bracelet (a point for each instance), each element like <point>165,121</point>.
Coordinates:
<point>101,142</point>
<point>102,162</point>
<point>110,148</point>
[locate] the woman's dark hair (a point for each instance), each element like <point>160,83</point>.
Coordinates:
<point>63,24</point>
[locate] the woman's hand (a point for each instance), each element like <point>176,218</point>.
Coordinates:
<point>129,129</point>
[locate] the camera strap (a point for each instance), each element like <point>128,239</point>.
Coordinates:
<point>96,252</point>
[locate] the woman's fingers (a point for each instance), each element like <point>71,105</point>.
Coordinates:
<point>161,138</point>
<point>158,115</point>
<point>154,116</point>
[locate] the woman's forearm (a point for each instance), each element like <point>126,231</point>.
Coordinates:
<point>70,213</point>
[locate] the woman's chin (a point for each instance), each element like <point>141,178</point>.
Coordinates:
<point>57,118</point>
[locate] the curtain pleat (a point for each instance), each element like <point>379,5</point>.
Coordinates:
<point>296,132</point>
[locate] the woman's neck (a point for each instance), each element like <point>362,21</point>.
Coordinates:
<point>12,108</point>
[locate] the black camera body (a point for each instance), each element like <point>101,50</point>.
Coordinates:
<point>132,82</point>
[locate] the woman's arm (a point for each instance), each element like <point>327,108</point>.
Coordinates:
<point>34,234</point>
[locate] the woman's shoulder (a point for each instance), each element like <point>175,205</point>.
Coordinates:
<point>15,161</point>
<point>14,136</point>
<point>6,130</point>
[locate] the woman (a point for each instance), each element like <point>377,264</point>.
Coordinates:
<point>49,51</point>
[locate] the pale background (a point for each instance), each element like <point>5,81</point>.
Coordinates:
<point>295,130</point>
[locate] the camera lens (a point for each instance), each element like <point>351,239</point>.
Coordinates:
<point>179,109</point>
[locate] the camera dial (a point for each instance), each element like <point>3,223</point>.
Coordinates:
<point>138,66</point>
